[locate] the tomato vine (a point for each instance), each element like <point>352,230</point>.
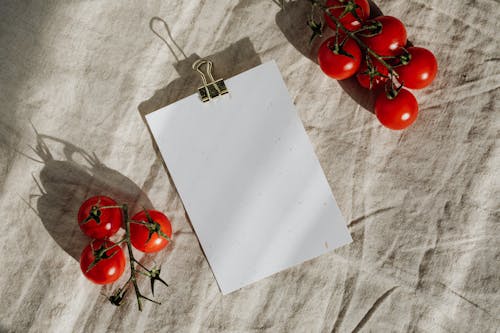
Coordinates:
<point>107,250</point>
<point>388,60</point>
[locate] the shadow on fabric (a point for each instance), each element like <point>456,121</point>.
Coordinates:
<point>291,20</point>
<point>64,184</point>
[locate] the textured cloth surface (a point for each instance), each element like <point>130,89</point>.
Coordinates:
<point>422,204</point>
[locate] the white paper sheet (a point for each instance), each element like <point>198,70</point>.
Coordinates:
<point>249,179</point>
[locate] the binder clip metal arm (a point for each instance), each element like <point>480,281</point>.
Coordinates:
<point>212,88</point>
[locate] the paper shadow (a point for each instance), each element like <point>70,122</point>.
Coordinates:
<point>65,183</point>
<point>292,19</point>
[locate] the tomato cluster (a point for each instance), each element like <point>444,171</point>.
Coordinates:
<point>100,217</point>
<point>376,51</point>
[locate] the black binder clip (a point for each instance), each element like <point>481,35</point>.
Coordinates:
<point>210,89</point>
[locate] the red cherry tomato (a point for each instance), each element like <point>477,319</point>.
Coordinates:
<point>420,70</point>
<point>390,37</point>
<point>336,65</point>
<point>148,238</point>
<point>397,113</point>
<point>106,270</point>
<point>349,21</point>
<point>98,222</point>
<point>363,75</point>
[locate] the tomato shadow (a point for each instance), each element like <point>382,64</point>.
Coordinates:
<point>291,20</point>
<point>66,181</point>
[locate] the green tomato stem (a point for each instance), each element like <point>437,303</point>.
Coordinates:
<point>118,296</point>
<point>108,207</point>
<point>124,239</point>
<point>131,257</point>
<point>142,265</point>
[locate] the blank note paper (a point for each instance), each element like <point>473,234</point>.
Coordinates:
<point>249,179</point>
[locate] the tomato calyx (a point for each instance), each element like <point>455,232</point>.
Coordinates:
<point>99,217</point>
<point>152,226</point>
<point>94,214</point>
<point>338,48</point>
<point>392,91</point>
<point>349,8</point>
<point>404,58</point>
<point>154,275</point>
<point>100,254</point>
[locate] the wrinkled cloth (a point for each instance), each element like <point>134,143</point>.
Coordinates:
<point>77,79</point>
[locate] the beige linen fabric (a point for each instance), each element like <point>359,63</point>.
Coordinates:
<point>422,204</point>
